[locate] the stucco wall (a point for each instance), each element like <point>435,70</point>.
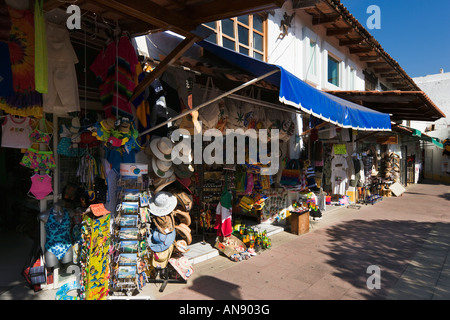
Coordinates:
<point>291,51</point>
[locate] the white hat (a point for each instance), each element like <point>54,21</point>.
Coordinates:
<point>162,148</point>
<point>162,203</point>
<point>182,153</point>
<point>162,169</point>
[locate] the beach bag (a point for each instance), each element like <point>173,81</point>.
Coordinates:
<point>235,114</point>
<point>290,176</point>
<point>209,115</point>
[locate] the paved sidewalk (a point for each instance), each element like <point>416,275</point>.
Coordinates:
<point>407,238</point>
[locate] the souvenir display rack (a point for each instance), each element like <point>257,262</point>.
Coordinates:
<point>130,230</point>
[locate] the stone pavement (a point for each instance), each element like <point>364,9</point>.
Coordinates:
<point>406,238</point>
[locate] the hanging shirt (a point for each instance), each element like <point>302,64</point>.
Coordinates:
<point>16,132</point>
<point>339,174</point>
<point>116,80</point>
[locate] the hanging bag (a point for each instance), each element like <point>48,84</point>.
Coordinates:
<point>209,115</point>
<point>290,176</point>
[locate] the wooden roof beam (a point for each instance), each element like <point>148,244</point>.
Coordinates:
<point>350,42</point>
<point>304,4</point>
<point>360,50</point>
<point>389,75</point>
<point>381,70</point>
<point>377,64</point>
<point>325,19</point>
<point>152,13</point>
<point>341,31</point>
<point>217,10</point>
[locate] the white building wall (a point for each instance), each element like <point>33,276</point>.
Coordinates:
<point>437,87</point>
<point>292,51</point>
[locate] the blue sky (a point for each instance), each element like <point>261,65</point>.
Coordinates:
<point>416,33</point>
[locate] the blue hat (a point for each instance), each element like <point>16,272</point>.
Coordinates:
<point>159,242</point>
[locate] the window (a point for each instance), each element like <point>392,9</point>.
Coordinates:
<point>244,34</point>
<point>333,71</point>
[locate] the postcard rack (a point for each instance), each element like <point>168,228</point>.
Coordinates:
<point>129,231</point>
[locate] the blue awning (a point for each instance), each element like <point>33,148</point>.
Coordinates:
<point>299,94</point>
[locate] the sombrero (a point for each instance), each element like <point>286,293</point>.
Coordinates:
<point>162,203</point>
<point>160,259</point>
<point>184,232</point>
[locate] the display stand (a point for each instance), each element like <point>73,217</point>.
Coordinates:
<point>164,279</point>
<point>129,230</point>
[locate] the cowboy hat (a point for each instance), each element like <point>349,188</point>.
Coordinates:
<point>183,216</point>
<point>184,200</point>
<point>159,242</point>
<point>160,259</point>
<point>162,169</point>
<point>162,148</point>
<point>184,232</point>
<point>185,182</point>
<point>162,203</point>
<point>165,224</point>
<point>161,183</point>
<point>181,246</point>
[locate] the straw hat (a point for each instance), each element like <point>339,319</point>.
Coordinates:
<point>162,148</point>
<point>161,168</point>
<point>181,246</point>
<point>183,153</point>
<point>183,170</point>
<point>184,232</point>
<point>159,242</point>
<point>165,224</point>
<point>183,216</point>
<point>161,183</point>
<point>162,203</point>
<point>184,200</point>
<point>160,259</point>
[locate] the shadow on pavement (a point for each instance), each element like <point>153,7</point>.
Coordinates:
<point>390,245</point>
<point>215,289</point>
